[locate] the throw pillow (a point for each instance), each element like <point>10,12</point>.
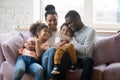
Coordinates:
<point>10,47</point>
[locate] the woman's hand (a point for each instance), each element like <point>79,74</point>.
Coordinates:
<point>29,45</point>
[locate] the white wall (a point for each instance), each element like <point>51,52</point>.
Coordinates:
<point>14,13</point>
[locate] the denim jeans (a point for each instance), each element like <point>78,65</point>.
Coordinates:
<point>48,61</point>
<point>26,63</point>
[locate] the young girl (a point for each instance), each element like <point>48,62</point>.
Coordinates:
<point>51,18</point>
<point>63,46</point>
<point>29,58</point>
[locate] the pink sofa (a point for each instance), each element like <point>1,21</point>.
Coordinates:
<point>106,55</point>
<point>9,43</point>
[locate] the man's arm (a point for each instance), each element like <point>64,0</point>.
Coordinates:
<point>57,45</point>
<point>87,44</point>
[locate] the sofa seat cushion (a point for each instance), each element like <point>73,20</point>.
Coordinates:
<point>7,69</point>
<point>10,47</point>
<point>107,50</point>
<point>75,75</point>
<point>25,77</point>
<point>28,76</point>
<point>97,75</point>
<point>112,72</point>
<point>98,71</point>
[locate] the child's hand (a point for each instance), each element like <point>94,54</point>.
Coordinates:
<point>45,46</point>
<point>20,51</point>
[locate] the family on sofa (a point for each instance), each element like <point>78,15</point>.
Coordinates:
<point>97,58</point>
<point>82,40</point>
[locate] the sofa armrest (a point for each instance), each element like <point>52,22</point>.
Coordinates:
<point>1,56</point>
<point>1,61</point>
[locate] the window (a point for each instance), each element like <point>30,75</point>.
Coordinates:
<point>106,13</point>
<point>100,14</point>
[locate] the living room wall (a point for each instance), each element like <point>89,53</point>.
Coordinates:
<point>14,14</point>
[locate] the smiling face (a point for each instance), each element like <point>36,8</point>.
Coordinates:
<point>65,31</point>
<point>51,20</point>
<point>44,34</point>
<point>73,24</point>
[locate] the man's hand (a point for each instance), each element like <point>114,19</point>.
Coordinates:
<point>66,38</point>
<point>57,45</point>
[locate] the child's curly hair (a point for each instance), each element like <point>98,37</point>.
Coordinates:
<point>37,27</point>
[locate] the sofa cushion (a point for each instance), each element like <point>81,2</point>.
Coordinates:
<point>1,55</point>
<point>7,69</point>
<point>112,72</point>
<point>107,50</point>
<point>10,47</point>
<point>26,35</point>
<point>97,75</point>
<point>4,37</point>
<point>75,75</point>
<point>1,60</point>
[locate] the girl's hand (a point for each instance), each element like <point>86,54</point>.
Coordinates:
<point>20,51</point>
<point>45,46</point>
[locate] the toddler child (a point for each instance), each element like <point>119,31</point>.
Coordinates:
<point>63,46</point>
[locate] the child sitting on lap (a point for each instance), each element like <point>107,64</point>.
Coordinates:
<point>63,46</point>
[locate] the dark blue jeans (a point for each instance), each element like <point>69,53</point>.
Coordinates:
<point>27,63</point>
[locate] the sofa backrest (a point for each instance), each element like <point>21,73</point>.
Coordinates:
<point>10,43</point>
<point>107,50</point>
<point>26,35</point>
<point>3,37</point>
